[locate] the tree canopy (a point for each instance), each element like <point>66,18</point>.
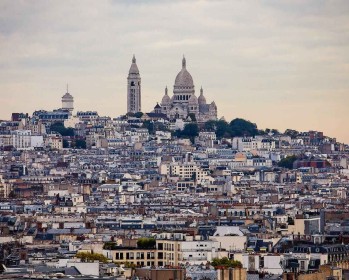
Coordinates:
<point>237,127</point>
<point>287,162</point>
<point>241,127</point>
<point>150,126</point>
<point>138,115</point>
<point>80,144</point>
<point>226,263</point>
<point>90,257</point>
<point>191,130</point>
<point>59,128</point>
<point>291,132</point>
<point>222,129</point>
<point>110,245</point>
<point>146,243</point>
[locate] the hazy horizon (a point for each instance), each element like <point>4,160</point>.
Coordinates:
<point>279,64</point>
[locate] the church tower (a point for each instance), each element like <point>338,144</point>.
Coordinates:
<point>68,101</point>
<point>133,89</point>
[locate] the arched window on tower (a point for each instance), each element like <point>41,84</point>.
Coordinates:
<point>132,84</point>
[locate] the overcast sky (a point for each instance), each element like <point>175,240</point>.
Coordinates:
<point>280,64</point>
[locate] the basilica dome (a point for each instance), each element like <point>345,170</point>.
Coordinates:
<point>68,96</point>
<point>166,99</point>
<point>193,100</point>
<point>202,99</point>
<point>183,78</point>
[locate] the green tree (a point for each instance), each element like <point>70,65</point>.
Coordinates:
<point>223,129</point>
<point>110,245</point>
<point>146,243</point>
<point>90,257</point>
<point>226,263</point>
<point>138,115</point>
<point>59,128</point>
<point>241,127</point>
<point>287,162</point>
<point>220,127</point>
<point>191,130</point>
<point>210,125</point>
<point>291,132</point>
<point>80,144</point>
<point>150,126</point>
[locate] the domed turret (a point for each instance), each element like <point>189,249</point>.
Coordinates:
<point>184,81</point>
<point>193,100</point>
<point>165,99</point>
<point>134,67</point>
<point>202,99</point>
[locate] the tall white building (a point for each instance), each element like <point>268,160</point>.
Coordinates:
<point>68,102</point>
<point>133,89</point>
<point>184,102</point>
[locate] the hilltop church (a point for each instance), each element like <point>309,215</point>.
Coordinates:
<point>182,105</point>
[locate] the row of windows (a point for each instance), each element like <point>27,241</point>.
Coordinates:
<point>181,97</point>
<point>167,246</point>
<point>133,255</point>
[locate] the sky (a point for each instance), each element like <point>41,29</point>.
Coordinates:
<point>280,64</point>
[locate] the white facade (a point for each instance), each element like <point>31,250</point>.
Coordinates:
<point>133,89</point>
<point>247,144</point>
<point>184,170</point>
<point>23,139</point>
<point>71,122</point>
<point>184,103</point>
<point>68,102</point>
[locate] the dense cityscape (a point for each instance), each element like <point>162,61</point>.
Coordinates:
<point>175,193</point>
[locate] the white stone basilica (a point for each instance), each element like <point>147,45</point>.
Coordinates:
<point>184,103</point>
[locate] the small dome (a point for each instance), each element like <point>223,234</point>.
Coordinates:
<point>193,100</point>
<point>202,99</point>
<point>134,67</point>
<point>67,95</point>
<point>166,99</point>
<point>183,78</point>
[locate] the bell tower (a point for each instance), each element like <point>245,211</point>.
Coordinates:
<point>133,88</point>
